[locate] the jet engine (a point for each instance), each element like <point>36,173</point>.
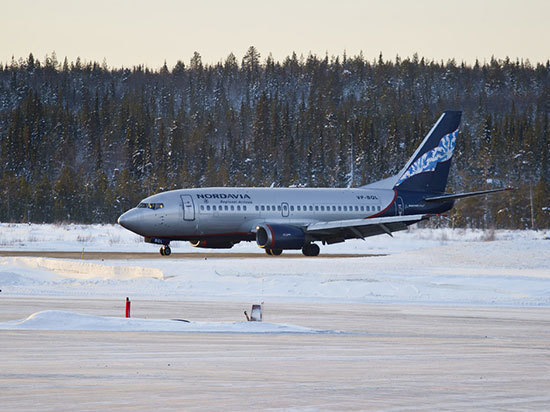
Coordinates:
<point>280,237</point>
<point>212,244</point>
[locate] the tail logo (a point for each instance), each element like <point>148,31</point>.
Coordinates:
<point>429,160</point>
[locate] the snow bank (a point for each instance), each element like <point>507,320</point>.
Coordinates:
<point>61,320</point>
<point>84,269</point>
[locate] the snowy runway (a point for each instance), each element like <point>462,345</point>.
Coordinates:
<point>397,357</point>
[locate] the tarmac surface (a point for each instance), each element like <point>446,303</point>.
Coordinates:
<point>393,357</point>
<point>191,255</point>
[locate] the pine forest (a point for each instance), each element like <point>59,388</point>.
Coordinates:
<point>84,142</point>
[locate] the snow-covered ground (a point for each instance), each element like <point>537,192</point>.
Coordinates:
<point>422,266</point>
<point>107,238</point>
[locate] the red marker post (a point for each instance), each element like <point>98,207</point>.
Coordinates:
<point>127,307</point>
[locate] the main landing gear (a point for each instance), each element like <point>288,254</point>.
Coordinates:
<point>165,250</point>
<point>311,249</point>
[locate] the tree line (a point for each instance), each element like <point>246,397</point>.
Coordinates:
<point>83,142</point>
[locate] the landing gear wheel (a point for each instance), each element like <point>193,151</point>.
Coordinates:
<point>276,252</point>
<point>311,249</point>
<point>269,252</point>
<point>165,250</point>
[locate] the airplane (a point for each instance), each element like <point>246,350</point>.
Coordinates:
<point>281,219</point>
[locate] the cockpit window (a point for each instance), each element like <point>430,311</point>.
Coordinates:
<point>150,206</point>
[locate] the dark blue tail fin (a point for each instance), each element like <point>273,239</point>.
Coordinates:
<point>428,168</point>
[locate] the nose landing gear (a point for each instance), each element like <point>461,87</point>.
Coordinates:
<point>165,250</point>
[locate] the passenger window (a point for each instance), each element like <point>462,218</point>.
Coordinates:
<point>316,208</point>
<point>292,208</point>
<point>357,208</point>
<point>268,208</point>
<point>279,208</point>
<point>238,208</point>
<point>263,208</point>
<point>244,208</point>
<point>257,208</point>
<point>345,208</point>
<point>379,208</point>
<point>226,208</point>
<point>304,208</point>
<point>298,208</point>
<point>334,208</point>
<point>339,208</point>
<point>208,207</point>
<point>214,208</point>
<point>232,207</point>
<point>368,208</point>
<point>310,208</point>
<point>322,208</point>
<point>202,207</point>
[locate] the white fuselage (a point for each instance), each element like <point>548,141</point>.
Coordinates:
<point>191,214</point>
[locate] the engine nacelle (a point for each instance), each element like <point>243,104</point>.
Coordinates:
<point>280,237</point>
<point>213,244</point>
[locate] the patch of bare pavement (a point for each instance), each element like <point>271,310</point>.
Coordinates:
<point>141,255</point>
<point>393,358</point>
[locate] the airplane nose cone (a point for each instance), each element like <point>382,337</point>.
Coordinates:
<point>137,221</point>
<point>128,220</point>
<point>122,220</point>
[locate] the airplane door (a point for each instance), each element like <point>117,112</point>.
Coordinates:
<point>400,206</point>
<point>284,209</point>
<point>188,207</point>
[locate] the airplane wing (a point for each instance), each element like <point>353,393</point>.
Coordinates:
<point>340,230</point>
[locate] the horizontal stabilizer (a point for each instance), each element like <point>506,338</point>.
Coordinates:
<point>453,196</point>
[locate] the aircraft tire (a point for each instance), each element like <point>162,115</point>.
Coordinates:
<point>311,249</point>
<point>269,252</point>
<point>162,251</point>
<point>167,250</point>
<point>276,252</point>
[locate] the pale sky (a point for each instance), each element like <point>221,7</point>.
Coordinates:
<point>131,32</point>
